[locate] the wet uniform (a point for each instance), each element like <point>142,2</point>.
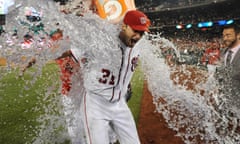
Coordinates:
<point>104,102</point>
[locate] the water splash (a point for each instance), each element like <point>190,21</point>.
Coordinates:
<point>89,33</point>
<point>187,97</point>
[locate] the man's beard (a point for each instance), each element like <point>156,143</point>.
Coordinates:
<point>230,45</point>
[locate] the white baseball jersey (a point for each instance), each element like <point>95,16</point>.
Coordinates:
<point>108,76</point>
<point>129,63</point>
<point>106,71</point>
<point>98,73</point>
<point>106,84</point>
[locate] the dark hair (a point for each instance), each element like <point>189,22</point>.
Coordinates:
<point>62,2</point>
<point>233,26</point>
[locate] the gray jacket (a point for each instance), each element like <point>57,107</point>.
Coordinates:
<point>229,80</point>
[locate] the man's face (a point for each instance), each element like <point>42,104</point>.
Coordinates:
<point>129,36</point>
<point>229,37</point>
<point>215,45</point>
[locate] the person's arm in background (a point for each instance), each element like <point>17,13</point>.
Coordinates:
<point>30,64</point>
<point>65,54</point>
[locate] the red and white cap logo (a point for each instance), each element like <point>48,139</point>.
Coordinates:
<point>137,20</point>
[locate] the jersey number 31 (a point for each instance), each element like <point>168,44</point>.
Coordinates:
<point>107,77</point>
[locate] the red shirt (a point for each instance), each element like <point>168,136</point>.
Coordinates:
<point>211,55</point>
<point>67,66</point>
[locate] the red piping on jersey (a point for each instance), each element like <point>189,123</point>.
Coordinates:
<point>86,120</point>
<point>129,54</point>
<point>112,94</point>
<point>119,75</point>
<point>119,95</point>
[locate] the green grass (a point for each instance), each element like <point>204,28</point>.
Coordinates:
<point>22,102</point>
<point>26,100</point>
<point>137,89</point>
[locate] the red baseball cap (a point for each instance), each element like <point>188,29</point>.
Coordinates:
<point>137,20</point>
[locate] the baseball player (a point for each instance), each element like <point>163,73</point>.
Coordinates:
<point>106,83</point>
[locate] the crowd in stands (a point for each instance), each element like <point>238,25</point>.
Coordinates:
<point>161,5</point>
<point>212,12</point>
<point>198,51</point>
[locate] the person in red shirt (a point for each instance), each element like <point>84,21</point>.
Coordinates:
<point>212,53</point>
<point>66,66</point>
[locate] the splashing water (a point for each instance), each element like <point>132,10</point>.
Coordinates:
<point>185,95</point>
<point>86,33</point>
<point>189,111</point>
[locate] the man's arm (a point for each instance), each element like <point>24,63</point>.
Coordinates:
<point>65,54</point>
<point>30,64</point>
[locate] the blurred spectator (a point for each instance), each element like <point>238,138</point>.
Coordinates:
<point>212,53</point>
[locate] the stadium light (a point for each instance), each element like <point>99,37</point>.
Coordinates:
<point>188,26</point>
<point>179,27</point>
<point>222,22</point>
<point>230,22</point>
<point>205,24</point>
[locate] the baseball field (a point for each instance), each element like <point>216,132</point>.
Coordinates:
<point>30,105</point>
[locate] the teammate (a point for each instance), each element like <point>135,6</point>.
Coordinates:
<point>104,105</point>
